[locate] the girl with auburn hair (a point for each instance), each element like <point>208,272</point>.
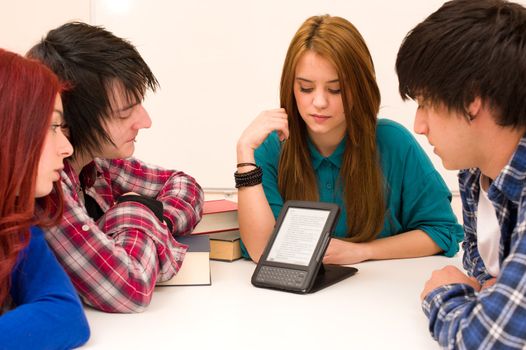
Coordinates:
<point>326,144</point>
<point>39,307</point>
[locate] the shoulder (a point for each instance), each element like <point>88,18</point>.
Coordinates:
<point>37,233</point>
<point>396,145</point>
<point>125,165</point>
<point>270,148</point>
<point>37,243</point>
<point>271,143</point>
<point>37,239</point>
<point>392,134</point>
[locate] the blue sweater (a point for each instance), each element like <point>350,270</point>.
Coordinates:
<point>48,312</point>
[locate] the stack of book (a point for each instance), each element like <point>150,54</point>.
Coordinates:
<point>216,237</point>
<point>195,270</point>
<point>220,223</point>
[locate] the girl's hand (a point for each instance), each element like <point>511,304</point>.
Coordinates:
<point>341,252</point>
<point>265,123</point>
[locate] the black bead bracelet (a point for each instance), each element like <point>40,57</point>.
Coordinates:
<point>250,178</point>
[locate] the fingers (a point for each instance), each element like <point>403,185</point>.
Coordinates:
<point>275,120</point>
<point>424,293</point>
<point>489,283</point>
<point>265,123</point>
<point>327,259</point>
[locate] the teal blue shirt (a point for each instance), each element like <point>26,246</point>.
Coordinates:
<point>416,196</point>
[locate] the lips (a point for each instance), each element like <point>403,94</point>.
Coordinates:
<point>319,118</point>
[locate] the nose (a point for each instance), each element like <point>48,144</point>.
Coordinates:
<point>320,100</point>
<point>143,120</point>
<point>65,149</point>
<point>420,125</point>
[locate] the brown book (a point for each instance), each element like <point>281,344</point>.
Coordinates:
<point>225,246</point>
<point>218,216</point>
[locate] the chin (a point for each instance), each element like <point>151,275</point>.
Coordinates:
<point>130,151</point>
<point>43,191</point>
<point>450,166</point>
<point>124,153</point>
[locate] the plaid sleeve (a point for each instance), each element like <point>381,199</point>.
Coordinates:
<point>114,263</point>
<point>472,260</point>
<point>460,318</point>
<point>181,195</point>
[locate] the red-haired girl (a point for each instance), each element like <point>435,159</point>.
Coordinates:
<point>39,307</point>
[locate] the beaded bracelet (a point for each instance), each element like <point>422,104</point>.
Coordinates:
<point>250,178</point>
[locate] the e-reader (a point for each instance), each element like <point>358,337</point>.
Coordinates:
<point>292,260</point>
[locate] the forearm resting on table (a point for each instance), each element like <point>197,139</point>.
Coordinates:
<point>409,244</point>
<point>256,220</point>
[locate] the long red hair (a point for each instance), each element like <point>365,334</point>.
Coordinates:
<point>28,91</point>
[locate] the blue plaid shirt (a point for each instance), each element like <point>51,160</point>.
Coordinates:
<point>495,318</point>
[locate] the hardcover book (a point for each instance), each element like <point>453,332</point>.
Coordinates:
<point>218,215</point>
<point>225,246</point>
<point>195,270</point>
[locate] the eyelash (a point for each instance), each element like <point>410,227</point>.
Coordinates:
<point>55,126</point>
<point>309,90</point>
<point>61,126</point>
<point>128,111</point>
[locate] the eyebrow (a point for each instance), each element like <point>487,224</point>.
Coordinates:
<point>130,106</point>
<point>310,81</point>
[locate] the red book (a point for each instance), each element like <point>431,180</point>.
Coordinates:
<point>218,216</point>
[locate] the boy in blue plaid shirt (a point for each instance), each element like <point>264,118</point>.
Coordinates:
<point>465,65</point>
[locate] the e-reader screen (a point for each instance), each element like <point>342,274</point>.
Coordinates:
<point>292,260</point>
<point>298,236</point>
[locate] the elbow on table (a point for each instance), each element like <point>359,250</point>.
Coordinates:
<point>128,308</point>
<point>83,331</point>
<point>72,320</point>
<point>136,302</point>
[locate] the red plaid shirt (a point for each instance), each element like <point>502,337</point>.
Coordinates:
<point>115,262</point>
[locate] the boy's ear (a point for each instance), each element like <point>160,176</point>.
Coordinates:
<point>475,107</point>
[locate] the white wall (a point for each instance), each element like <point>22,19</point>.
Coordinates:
<point>219,64</point>
<point>24,22</point>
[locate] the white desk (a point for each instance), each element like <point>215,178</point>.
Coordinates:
<point>378,308</point>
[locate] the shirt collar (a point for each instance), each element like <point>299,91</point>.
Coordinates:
<point>87,176</point>
<point>335,158</point>
<point>511,179</point>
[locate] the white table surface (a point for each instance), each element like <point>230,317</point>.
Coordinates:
<point>378,308</point>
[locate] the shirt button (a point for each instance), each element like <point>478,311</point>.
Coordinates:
<point>329,186</point>
<point>85,227</point>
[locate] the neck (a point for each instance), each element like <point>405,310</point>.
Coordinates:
<point>326,144</point>
<point>499,151</point>
<point>79,162</point>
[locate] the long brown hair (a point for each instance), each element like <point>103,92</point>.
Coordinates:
<point>338,41</point>
<point>27,96</point>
